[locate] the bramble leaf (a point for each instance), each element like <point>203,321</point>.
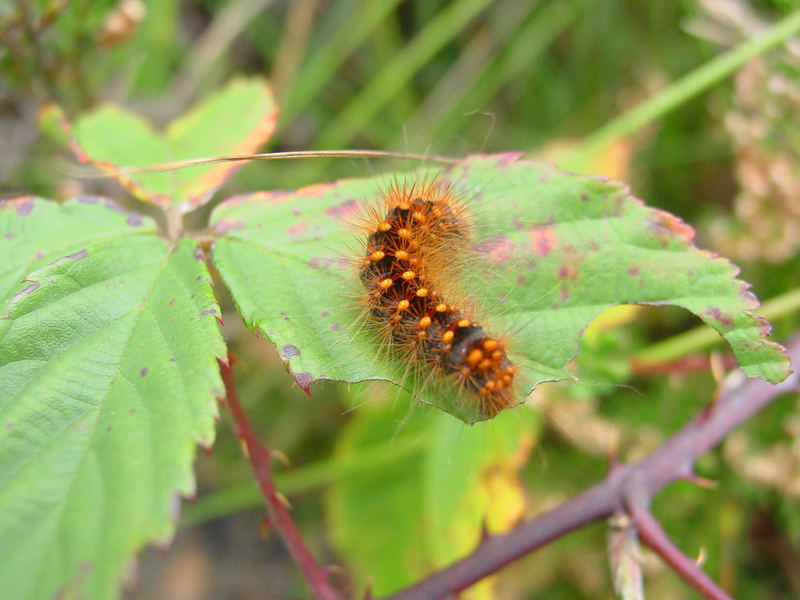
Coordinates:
<point>552,251</point>
<point>236,120</point>
<point>109,375</point>
<point>35,232</point>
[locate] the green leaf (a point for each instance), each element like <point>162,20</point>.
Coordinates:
<point>236,120</point>
<point>35,232</point>
<point>465,480</point>
<point>109,371</point>
<point>552,251</point>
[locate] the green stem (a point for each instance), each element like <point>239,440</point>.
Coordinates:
<point>699,80</point>
<point>241,497</point>
<point>702,337</point>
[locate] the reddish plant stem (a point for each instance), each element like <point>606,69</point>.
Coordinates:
<point>652,534</point>
<point>279,517</point>
<point>626,488</point>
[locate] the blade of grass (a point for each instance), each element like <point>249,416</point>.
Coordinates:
<point>521,51</point>
<point>397,73</point>
<point>681,91</point>
<point>328,58</point>
<point>245,496</point>
<point>477,56</point>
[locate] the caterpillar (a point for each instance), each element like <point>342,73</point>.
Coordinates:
<point>413,235</point>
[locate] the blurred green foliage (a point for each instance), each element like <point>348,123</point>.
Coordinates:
<point>452,78</point>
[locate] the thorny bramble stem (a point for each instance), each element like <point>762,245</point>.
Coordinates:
<point>279,517</point>
<point>626,488</point>
<point>652,534</point>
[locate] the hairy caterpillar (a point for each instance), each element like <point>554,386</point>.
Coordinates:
<point>413,235</point>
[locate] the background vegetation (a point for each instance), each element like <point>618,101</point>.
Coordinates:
<point>457,78</point>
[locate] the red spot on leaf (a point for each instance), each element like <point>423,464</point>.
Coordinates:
<point>143,372</point>
<point>23,206</point>
<point>303,381</point>
<point>316,189</point>
<point>544,240</point>
<point>343,210</point>
<point>497,250</point>
<point>26,291</point>
<point>297,229</point>
<point>724,320</point>
<point>633,271</point>
<point>225,226</point>
<point>210,311</point>
<point>335,326</point>
<point>78,255</point>
<point>507,158</point>
<point>666,227</point>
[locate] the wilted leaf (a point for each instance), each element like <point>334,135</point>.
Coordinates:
<point>108,369</point>
<point>552,251</point>
<point>236,120</point>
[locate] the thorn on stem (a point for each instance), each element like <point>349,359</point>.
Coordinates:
<point>485,535</point>
<point>284,460</point>
<point>282,499</point>
<point>701,557</point>
<point>265,526</point>
<point>245,447</point>
<point>703,482</point>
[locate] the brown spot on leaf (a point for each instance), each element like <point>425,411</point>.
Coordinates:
<point>633,271</point>
<point>289,351</point>
<point>143,372</point>
<point>335,326</point>
<point>210,311</point>
<point>325,314</point>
